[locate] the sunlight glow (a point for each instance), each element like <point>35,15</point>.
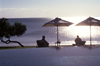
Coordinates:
<point>74,20</point>
<point>83,31</point>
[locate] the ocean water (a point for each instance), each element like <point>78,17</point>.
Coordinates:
<point>67,35</point>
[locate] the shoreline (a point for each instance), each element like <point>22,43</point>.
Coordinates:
<point>19,47</point>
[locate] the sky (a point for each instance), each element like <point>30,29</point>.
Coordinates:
<point>49,8</point>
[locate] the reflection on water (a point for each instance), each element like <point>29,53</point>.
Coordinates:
<point>80,60</point>
<point>82,31</point>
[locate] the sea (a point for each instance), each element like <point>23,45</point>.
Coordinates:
<point>67,34</point>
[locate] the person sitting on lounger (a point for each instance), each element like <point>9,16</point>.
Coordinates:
<point>42,42</point>
<point>79,41</point>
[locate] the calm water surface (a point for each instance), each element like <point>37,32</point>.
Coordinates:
<point>67,35</point>
<point>65,56</point>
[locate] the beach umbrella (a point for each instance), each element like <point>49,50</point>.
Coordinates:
<point>57,22</point>
<point>90,21</point>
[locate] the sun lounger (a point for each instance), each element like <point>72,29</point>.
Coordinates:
<point>41,43</point>
<point>82,43</point>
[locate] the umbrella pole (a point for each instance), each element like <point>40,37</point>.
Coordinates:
<point>58,42</point>
<point>57,33</point>
<point>90,34</point>
<point>57,36</point>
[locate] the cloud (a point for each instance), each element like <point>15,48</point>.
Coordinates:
<point>16,12</point>
<point>29,12</point>
<point>47,12</point>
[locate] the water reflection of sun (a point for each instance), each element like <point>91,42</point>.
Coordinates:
<point>83,31</point>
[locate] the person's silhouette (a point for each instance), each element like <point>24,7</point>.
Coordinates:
<point>78,41</point>
<point>42,42</point>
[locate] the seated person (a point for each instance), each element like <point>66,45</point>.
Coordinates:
<point>78,41</point>
<point>42,43</point>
